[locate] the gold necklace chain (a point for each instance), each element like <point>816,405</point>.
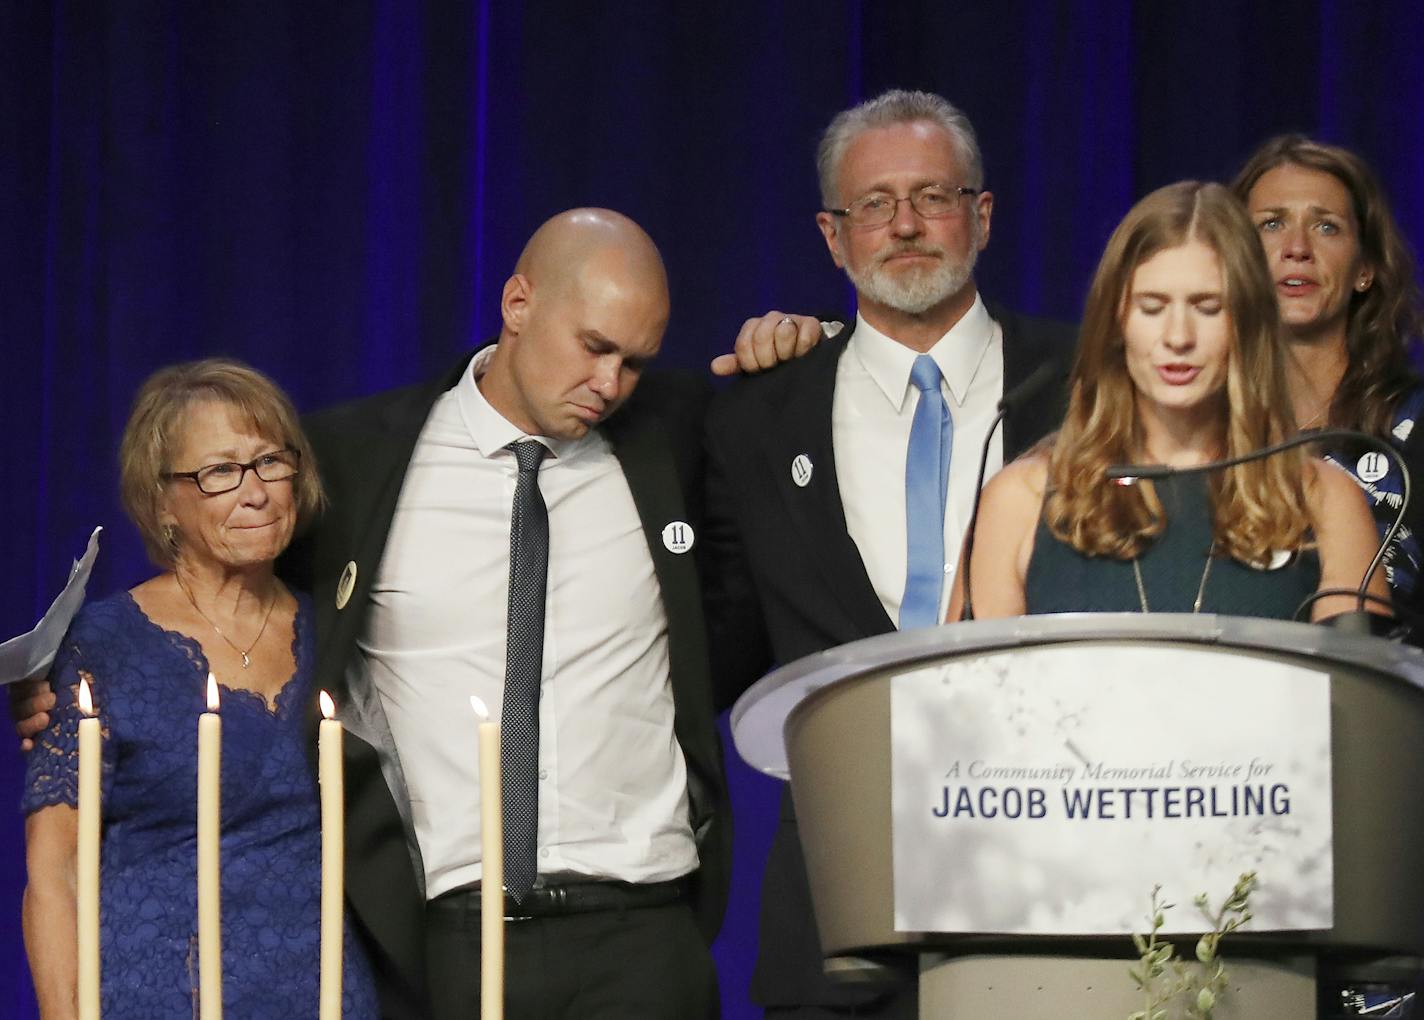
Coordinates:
<point>1201,588</point>
<point>246,661</point>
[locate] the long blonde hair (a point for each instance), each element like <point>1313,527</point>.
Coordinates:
<point>1257,508</point>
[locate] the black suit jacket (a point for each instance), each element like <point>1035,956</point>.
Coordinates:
<point>785,579</point>
<point>363,450</point>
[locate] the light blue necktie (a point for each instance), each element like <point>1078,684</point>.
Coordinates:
<point>926,492</point>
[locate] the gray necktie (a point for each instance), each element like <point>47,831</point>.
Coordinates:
<point>524,662</point>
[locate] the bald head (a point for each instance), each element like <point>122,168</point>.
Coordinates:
<point>583,313</point>
<point>582,241</point>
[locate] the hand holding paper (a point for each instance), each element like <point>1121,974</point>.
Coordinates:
<point>24,660</point>
<point>30,703</point>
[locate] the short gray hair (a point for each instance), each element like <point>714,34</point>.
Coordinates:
<point>898,106</point>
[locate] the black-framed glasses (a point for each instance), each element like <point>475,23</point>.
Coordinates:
<point>215,479</point>
<point>878,208</point>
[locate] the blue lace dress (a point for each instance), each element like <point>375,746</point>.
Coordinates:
<point>149,688</point>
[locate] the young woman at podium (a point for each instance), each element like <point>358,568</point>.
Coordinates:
<point>1181,361</point>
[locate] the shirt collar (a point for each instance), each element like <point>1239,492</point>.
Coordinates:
<point>958,354</point>
<point>490,430</point>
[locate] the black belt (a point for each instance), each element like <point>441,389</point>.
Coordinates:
<point>567,898</point>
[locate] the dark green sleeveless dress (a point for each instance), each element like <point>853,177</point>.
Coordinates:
<point>1062,580</point>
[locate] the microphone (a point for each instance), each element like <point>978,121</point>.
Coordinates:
<point>1130,474</point>
<point>1011,401</point>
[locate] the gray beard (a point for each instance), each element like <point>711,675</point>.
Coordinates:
<point>914,293</point>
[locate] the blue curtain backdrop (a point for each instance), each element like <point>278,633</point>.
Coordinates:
<point>335,191</point>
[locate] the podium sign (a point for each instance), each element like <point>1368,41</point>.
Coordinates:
<point>1046,790</point>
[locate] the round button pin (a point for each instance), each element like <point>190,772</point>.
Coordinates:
<point>346,585</point>
<point>801,470</point>
<point>678,537</point>
<point>1372,466</point>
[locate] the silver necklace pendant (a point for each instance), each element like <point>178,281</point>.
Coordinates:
<point>1201,588</point>
<point>246,661</point>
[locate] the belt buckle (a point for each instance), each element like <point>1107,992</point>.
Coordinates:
<point>509,903</point>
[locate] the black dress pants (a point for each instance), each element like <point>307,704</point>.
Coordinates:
<point>618,964</point>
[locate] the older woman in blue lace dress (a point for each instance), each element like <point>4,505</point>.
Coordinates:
<point>217,476</point>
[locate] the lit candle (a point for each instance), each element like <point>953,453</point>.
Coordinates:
<point>209,833</point>
<point>87,877</point>
<point>491,869</point>
<point>333,842</point>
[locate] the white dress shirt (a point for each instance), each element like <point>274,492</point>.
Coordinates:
<point>613,781</point>
<point>871,415</point>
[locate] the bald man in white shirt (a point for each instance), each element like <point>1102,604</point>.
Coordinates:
<point>410,571</point>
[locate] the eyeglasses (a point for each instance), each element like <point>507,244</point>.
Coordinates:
<point>215,479</point>
<point>932,201</point>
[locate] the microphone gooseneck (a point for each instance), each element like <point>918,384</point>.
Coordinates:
<point>1011,401</point>
<point>1130,474</point>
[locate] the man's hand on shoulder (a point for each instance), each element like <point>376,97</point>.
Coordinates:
<point>768,340</point>
<point>30,703</point>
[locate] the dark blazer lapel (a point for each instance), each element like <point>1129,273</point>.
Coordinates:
<point>366,518</point>
<point>650,469</point>
<point>650,466</point>
<point>816,510</point>
<point>1025,348</point>
<point>384,889</point>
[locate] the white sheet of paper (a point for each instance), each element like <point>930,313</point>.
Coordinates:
<point>28,654</point>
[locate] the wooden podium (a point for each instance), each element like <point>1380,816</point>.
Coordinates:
<point>823,722</point>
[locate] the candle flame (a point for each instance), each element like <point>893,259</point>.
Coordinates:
<point>328,707</point>
<point>478,705</point>
<point>86,700</point>
<point>212,693</point>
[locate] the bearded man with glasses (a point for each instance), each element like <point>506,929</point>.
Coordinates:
<point>840,484</point>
